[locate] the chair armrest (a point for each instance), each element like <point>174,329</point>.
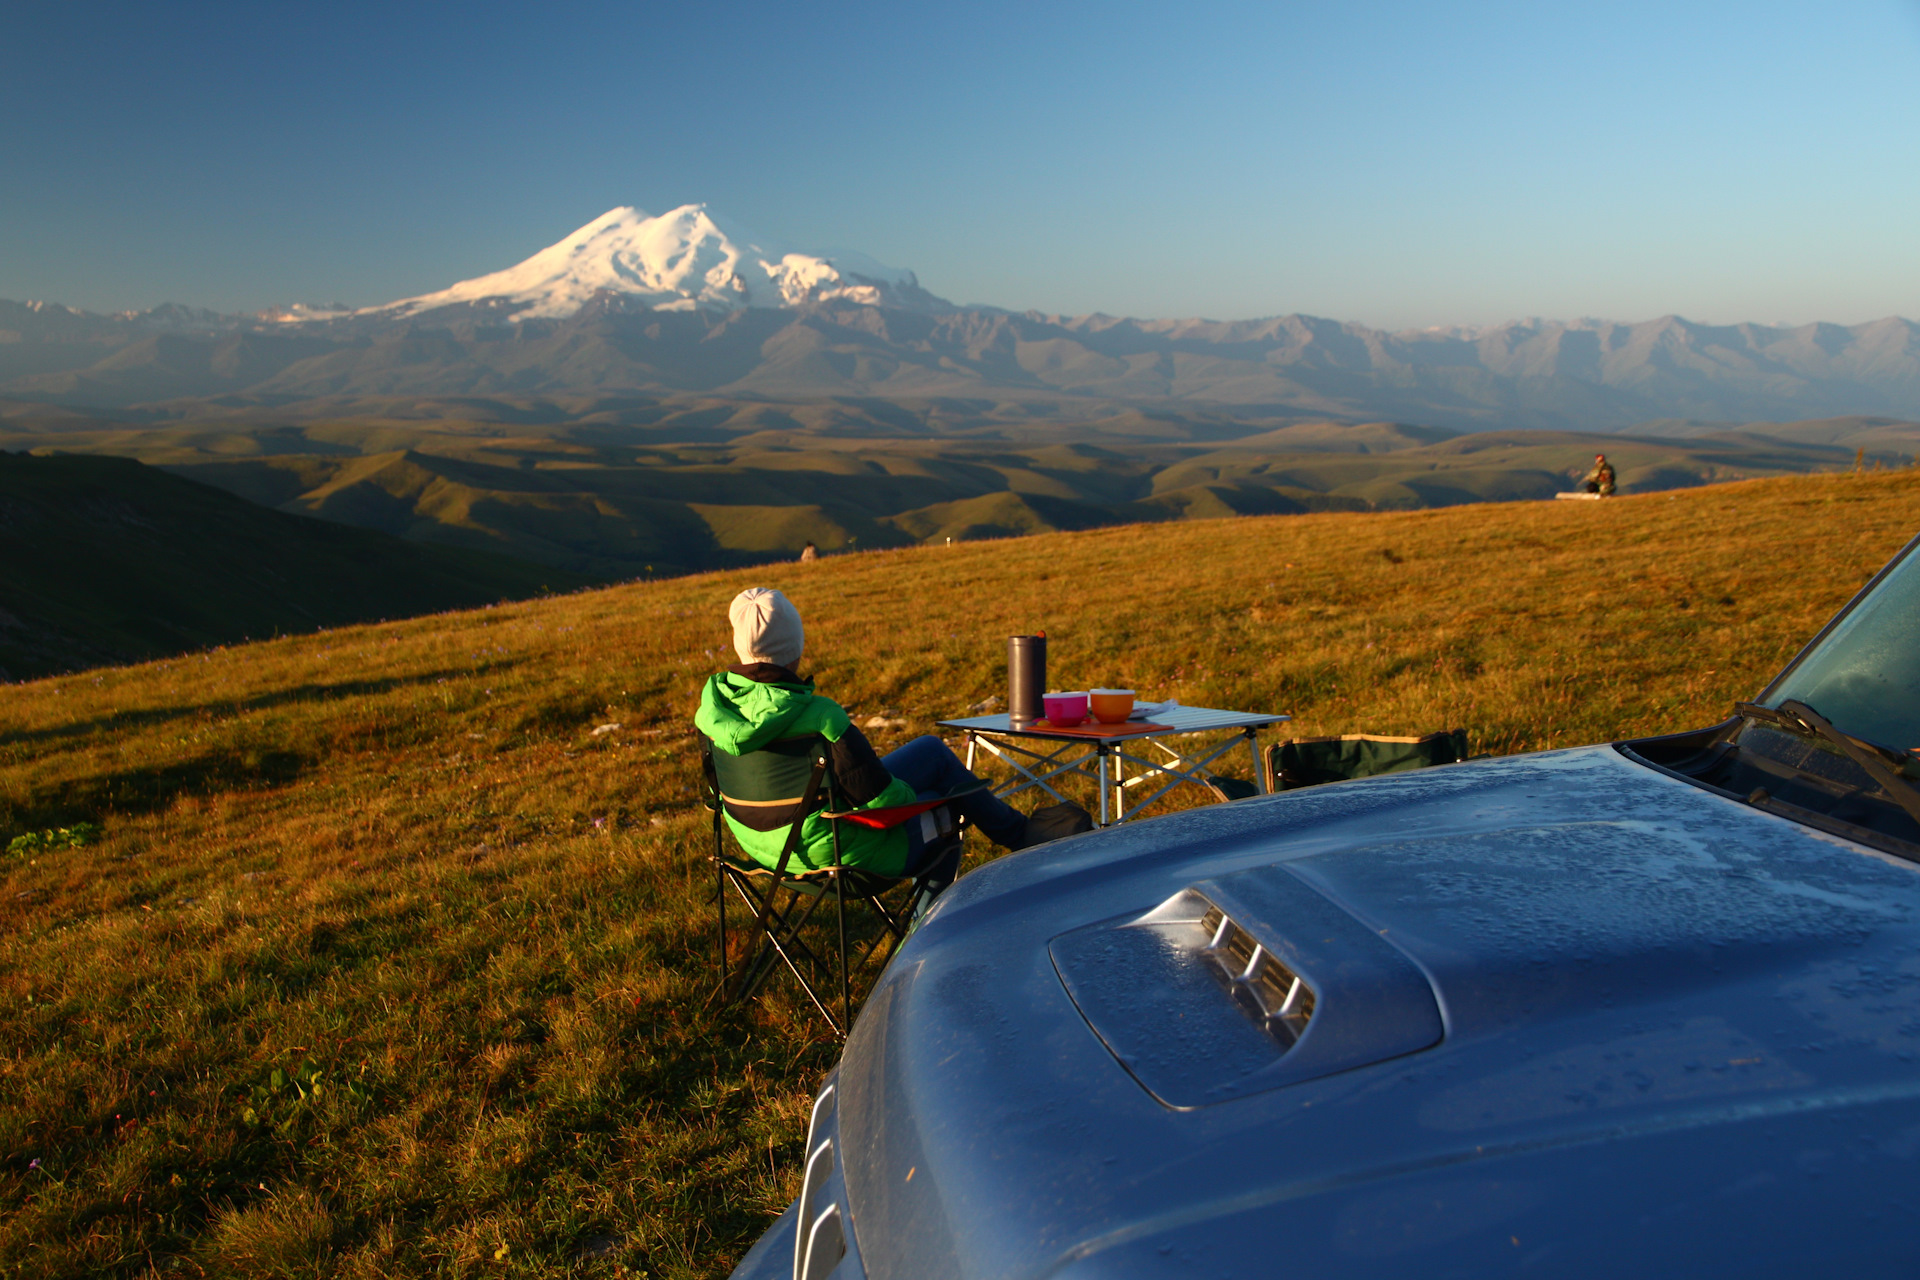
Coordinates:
<point>894,815</point>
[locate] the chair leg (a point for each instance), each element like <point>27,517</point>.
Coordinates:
<point>720,889</point>
<point>897,926</point>
<point>752,900</point>
<point>758,962</point>
<point>807,985</point>
<point>846,978</point>
<point>778,953</point>
<point>891,922</point>
<point>897,922</point>
<point>784,938</point>
<point>759,959</point>
<point>720,893</point>
<point>781,943</point>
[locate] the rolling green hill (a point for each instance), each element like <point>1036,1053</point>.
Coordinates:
<point>710,484</point>
<point>602,507</point>
<point>106,560</point>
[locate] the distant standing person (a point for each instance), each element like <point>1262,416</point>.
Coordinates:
<point>1600,479</point>
<point>809,552</point>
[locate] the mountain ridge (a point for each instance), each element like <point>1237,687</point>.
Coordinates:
<point>686,303</point>
<point>1603,377</point>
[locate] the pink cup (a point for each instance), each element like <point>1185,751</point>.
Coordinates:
<point>1065,710</point>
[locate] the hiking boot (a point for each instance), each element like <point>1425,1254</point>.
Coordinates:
<point>1053,822</point>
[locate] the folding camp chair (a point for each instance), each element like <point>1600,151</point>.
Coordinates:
<point>778,786</point>
<point>1307,762</point>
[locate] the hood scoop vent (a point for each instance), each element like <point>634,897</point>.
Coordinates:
<point>1242,984</point>
<point>1279,998</point>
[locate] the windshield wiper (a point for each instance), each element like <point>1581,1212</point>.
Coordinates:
<point>1878,761</point>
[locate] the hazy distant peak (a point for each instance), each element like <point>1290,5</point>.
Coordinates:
<point>172,315</point>
<point>302,312</point>
<point>683,260</point>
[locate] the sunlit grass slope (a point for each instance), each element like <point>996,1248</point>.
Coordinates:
<point>389,963</point>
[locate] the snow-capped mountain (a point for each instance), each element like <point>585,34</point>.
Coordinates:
<point>685,303</point>
<point>683,260</point>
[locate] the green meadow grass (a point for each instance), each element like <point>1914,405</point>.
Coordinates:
<point>377,959</point>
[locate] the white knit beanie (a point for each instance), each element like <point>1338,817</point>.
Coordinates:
<point>766,627</point>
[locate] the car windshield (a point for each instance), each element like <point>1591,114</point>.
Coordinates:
<point>1864,675</point>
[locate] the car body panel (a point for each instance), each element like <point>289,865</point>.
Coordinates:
<point>1668,1018</point>
<point>1145,986</point>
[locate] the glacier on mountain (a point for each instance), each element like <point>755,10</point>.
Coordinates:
<point>683,260</point>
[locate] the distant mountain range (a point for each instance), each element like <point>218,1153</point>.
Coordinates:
<point>686,305</point>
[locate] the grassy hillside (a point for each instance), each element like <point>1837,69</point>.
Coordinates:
<point>410,863</point>
<point>106,560</point>
<point>718,485</point>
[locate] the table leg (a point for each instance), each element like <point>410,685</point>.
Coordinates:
<point>1100,783</point>
<point>1025,778</point>
<point>1178,767</point>
<point>1259,774</point>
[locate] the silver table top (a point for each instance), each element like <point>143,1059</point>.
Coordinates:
<point>1176,719</point>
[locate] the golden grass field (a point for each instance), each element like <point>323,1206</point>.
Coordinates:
<point>385,963</point>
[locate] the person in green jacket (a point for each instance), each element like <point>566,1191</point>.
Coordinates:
<point>764,699</point>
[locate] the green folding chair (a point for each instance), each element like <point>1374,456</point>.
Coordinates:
<point>776,787</point>
<point>1308,762</point>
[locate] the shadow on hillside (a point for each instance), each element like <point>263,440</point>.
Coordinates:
<point>151,788</point>
<point>295,696</point>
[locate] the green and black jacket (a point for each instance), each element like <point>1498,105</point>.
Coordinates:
<point>744,708</point>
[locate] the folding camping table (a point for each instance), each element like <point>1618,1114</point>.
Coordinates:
<point>1107,753</point>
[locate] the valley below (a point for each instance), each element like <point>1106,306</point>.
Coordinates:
<point>703,484</point>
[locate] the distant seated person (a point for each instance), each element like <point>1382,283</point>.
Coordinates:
<point>809,552</point>
<point>1600,479</point>
<point>764,699</point>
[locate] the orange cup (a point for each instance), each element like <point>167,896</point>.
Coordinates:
<point>1111,706</point>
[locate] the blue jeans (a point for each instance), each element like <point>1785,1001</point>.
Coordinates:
<point>929,766</point>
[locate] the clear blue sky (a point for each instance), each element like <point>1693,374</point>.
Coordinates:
<point>1392,163</point>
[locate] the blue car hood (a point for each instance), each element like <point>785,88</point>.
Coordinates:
<point>1585,1018</point>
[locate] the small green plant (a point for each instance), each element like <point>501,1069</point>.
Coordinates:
<point>73,837</point>
<point>288,1097</point>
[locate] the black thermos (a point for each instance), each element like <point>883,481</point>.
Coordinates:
<point>1026,678</point>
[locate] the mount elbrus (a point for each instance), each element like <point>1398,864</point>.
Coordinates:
<point>686,302</point>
